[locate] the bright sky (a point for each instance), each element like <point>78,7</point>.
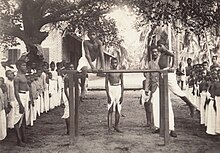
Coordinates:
<point>125,21</point>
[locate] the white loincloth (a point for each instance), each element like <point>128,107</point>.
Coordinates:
<point>144,98</point>
<point>17,116</point>
<point>3,125</point>
<point>83,62</point>
<point>218,114</point>
<point>42,105</point>
<point>53,91</point>
<point>202,109</point>
<point>37,106</point>
<point>156,110</point>
<point>24,97</point>
<point>173,86</point>
<point>211,119</point>
<point>46,99</point>
<point>60,89</point>
<point>66,108</point>
<point>115,95</point>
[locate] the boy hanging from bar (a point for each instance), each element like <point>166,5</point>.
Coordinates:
<point>114,86</point>
<point>164,63</point>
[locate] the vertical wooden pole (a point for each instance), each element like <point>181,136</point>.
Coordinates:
<point>161,88</point>
<point>71,76</point>
<point>166,108</point>
<point>76,106</point>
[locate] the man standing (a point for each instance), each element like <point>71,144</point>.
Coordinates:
<point>21,90</point>
<point>93,49</point>
<point>152,84</point>
<point>164,63</point>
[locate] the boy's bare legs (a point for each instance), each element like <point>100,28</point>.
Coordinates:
<point>117,117</point>
<point>18,133</point>
<point>191,107</point>
<point>110,111</point>
<point>148,108</point>
<point>83,80</point>
<point>67,125</point>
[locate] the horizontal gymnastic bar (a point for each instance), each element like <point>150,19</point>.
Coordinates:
<point>117,71</point>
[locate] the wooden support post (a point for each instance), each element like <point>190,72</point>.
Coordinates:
<point>161,88</point>
<point>76,106</point>
<point>166,109</point>
<point>72,106</point>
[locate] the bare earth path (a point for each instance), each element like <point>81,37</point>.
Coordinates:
<point>47,135</point>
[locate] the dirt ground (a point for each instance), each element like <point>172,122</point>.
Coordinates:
<point>48,133</point>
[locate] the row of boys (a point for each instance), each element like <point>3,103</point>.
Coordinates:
<point>28,94</point>
<point>203,87</point>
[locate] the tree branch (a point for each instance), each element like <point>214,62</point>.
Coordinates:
<point>12,30</point>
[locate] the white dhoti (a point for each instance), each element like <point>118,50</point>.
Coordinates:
<point>17,116</point>
<point>32,115</point>
<point>211,119</point>
<point>66,109</point>
<point>37,106</point>
<point>83,62</point>
<point>11,115</point>
<point>24,97</point>
<point>3,125</point>
<point>144,98</point>
<point>46,99</point>
<point>218,114</point>
<point>42,105</point>
<point>173,86</point>
<point>115,95</point>
<point>156,110</point>
<point>202,104</point>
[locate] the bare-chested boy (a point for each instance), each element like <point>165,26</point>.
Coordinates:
<point>164,63</point>
<point>114,85</point>
<point>21,90</point>
<point>93,49</point>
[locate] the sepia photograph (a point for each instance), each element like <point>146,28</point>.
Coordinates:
<point>109,76</point>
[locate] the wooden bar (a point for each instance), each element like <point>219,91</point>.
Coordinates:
<point>76,106</point>
<point>71,107</point>
<point>161,105</point>
<point>166,109</point>
<point>117,71</point>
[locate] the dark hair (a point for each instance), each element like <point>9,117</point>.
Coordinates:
<point>161,42</point>
<point>214,57</point>
<point>7,72</point>
<point>153,47</point>
<point>205,62</point>
<point>19,63</point>
<point>92,30</point>
<point>52,63</point>
<point>113,59</point>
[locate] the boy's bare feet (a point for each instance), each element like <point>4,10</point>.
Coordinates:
<point>117,130</point>
<point>110,131</point>
<point>21,144</point>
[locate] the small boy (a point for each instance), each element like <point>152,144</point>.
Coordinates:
<point>146,101</point>
<point>11,97</point>
<point>114,86</point>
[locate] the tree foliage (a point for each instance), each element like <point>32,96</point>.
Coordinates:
<point>25,18</point>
